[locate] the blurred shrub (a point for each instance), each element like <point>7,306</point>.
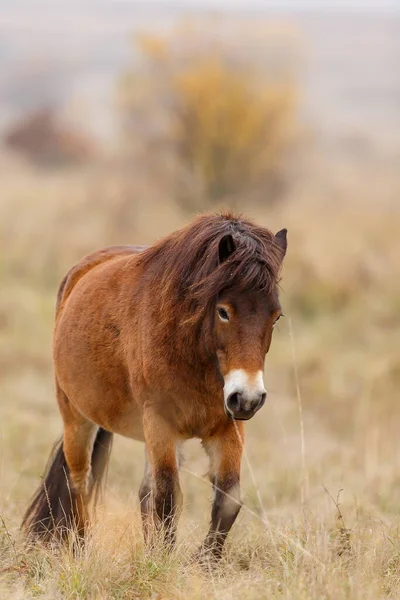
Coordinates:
<point>211,113</point>
<point>43,141</point>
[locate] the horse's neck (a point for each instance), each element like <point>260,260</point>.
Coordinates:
<point>200,363</point>
<point>202,375</point>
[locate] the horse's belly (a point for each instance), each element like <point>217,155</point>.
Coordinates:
<point>128,424</point>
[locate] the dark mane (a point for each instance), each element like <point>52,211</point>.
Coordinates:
<point>187,265</point>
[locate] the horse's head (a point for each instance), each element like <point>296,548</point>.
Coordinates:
<point>244,319</point>
<point>219,286</point>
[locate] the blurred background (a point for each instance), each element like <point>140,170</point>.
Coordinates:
<point>120,120</point>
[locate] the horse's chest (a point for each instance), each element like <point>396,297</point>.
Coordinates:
<point>192,402</point>
<point>197,417</point>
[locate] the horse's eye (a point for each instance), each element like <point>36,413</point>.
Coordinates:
<point>277,319</point>
<point>223,314</point>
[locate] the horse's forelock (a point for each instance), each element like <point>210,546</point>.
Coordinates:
<point>187,261</point>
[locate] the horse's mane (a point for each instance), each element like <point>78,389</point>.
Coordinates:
<point>190,273</point>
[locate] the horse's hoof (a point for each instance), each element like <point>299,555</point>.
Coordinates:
<point>206,558</point>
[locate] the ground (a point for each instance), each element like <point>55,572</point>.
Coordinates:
<point>321,473</point>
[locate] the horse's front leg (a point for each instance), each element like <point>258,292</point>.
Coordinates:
<point>166,496</point>
<point>225,454</point>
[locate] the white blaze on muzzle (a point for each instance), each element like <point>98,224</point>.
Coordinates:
<point>248,385</point>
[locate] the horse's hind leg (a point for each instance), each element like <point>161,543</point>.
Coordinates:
<point>78,443</point>
<point>74,471</point>
<point>146,498</point>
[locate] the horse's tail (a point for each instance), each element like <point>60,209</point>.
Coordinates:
<point>100,457</point>
<point>53,510</point>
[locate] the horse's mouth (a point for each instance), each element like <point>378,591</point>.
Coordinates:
<point>231,417</point>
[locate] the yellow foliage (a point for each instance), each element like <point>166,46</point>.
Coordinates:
<point>230,128</point>
<point>209,112</point>
<point>153,46</point>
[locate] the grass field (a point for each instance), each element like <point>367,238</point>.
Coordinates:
<point>328,434</point>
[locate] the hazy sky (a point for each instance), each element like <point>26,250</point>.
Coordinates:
<point>342,5</point>
<point>275,4</point>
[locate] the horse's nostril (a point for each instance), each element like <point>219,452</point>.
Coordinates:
<point>233,402</point>
<point>262,399</point>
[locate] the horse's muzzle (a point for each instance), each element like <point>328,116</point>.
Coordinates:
<point>241,408</point>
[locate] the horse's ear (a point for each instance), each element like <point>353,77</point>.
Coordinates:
<point>226,247</point>
<point>281,240</point>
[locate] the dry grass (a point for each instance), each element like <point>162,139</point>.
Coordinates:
<point>333,375</point>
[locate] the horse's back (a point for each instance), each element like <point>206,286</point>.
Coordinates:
<point>86,264</point>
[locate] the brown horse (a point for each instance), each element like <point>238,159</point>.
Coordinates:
<point>161,345</point>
